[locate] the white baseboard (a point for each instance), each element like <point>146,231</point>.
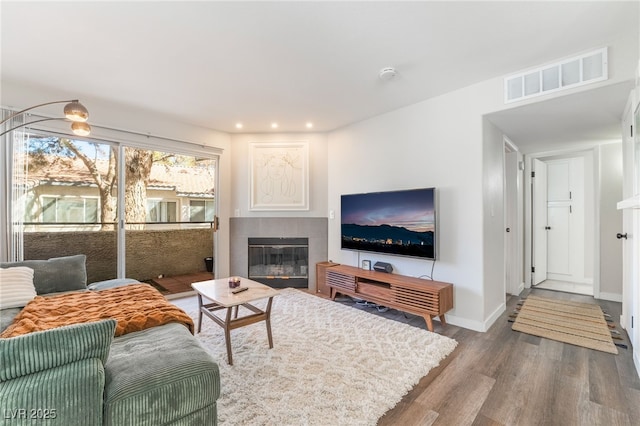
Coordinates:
<point>494,316</point>
<point>612,297</point>
<point>519,289</point>
<point>480,326</point>
<point>465,323</point>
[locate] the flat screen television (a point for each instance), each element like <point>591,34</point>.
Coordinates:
<point>393,222</point>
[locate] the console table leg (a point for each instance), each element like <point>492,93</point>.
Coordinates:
<point>442,320</point>
<point>429,322</point>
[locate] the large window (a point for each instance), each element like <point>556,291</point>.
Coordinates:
<point>130,210</point>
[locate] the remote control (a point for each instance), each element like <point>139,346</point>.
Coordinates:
<point>239,289</point>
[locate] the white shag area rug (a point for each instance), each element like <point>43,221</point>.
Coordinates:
<point>330,364</point>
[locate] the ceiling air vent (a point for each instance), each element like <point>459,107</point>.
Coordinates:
<point>577,71</point>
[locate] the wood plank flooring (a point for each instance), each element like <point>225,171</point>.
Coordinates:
<point>503,377</point>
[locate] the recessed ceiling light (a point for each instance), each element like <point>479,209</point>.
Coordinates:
<point>274,125</point>
<point>309,125</point>
<point>238,125</point>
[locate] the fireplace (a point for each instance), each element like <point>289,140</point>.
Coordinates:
<point>279,262</point>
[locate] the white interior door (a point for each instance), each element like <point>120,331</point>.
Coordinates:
<point>557,240</point>
<point>539,221</point>
<point>511,264</point>
<point>558,217</point>
<point>567,232</point>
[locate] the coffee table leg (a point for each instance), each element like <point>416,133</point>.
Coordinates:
<point>268,321</point>
<point>199,313</point>
<point>227,335</point>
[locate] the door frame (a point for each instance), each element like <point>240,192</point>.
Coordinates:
<point>213,154</point>
<point>513,265</point>
<point>528,217</point>
<point>539,239</point>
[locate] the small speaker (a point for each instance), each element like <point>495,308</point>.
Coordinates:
<point>383,267</point>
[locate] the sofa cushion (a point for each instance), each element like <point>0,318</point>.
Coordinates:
<point>57,274</point>
<point>16,287</point>
<point>68,395</point>
<point>35,352</point>
<point>159,376</point>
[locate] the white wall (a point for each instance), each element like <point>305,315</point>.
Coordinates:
<point>494,222</point>
<point>433,143</point>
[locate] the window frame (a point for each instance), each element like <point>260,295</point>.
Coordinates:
<point>58,198</point>
<point>165,201</point>
<point>117,138</point>
<point>207,202</point>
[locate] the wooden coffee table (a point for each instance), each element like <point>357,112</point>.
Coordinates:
<point>219,293</point>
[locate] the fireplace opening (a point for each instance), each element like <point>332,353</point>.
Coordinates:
<point>279,262</point>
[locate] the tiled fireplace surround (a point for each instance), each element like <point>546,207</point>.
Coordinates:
<point>243,228</point>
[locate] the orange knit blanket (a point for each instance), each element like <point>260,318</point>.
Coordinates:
<point>135,307</point>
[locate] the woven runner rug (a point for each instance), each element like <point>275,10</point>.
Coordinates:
<point>330,364</point>
<point>580,324</point>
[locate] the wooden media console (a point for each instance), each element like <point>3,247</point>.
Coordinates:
<point>414,295</point>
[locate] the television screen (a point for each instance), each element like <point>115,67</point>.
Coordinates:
<point>393,222</point>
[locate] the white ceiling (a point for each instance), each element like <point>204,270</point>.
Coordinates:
<point>217,63</point>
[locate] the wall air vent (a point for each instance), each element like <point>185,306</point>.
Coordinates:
<point>573,72</point>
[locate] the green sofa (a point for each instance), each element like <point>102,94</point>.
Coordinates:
<point>82,375</point>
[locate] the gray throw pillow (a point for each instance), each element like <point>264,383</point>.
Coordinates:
<point>42,350</point>
<point>57,274</point>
